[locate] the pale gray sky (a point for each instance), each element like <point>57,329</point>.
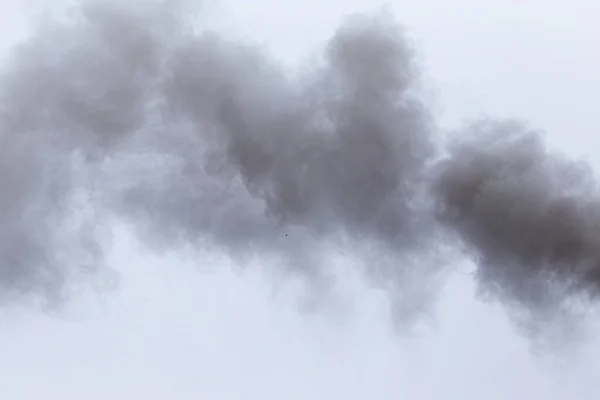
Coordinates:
<point>186,328</point>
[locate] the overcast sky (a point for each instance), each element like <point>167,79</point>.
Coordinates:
<point>188,327</point>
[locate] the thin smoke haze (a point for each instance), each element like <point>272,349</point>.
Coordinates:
<point>195,139</point>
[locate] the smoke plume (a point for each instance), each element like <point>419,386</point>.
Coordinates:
<point>200,140</point>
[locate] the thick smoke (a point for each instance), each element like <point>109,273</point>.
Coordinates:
<point>199,140</point>
<point>68,96</point>
<point>530,217</point>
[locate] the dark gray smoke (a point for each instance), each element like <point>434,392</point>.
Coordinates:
<point>529,216</point>
<point>199,140</point>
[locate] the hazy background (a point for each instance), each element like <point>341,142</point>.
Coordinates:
<point>171,331</point>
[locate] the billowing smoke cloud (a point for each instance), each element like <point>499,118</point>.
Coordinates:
<point>199,140</point>
<point>530,217</point>
<point>68,96</point>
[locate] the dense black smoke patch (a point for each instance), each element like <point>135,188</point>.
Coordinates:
<point>132,110</point>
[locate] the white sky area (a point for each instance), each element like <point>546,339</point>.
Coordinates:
<point>182,326</point>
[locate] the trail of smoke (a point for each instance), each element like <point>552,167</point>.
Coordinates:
<point>205,141</point>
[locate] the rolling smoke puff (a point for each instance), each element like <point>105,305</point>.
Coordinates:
<point>244,155</point>
<point>199,140</point>
<point>531,218</point>
<point>87,81</point>
<point>70,93</point>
